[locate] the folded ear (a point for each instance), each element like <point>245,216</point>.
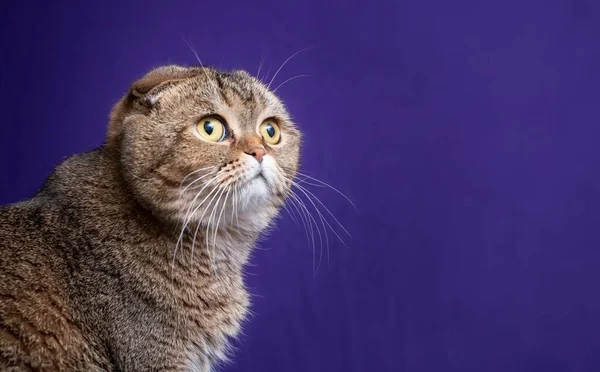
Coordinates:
<point>145,91</point>
<point>149,88</point>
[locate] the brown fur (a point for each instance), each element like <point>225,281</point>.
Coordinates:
<point>93,273</point>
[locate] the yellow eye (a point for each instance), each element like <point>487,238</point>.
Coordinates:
<point>212,128</point>
<point>270,132</point>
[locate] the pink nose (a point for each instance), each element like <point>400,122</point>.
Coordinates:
<point>257,151</point>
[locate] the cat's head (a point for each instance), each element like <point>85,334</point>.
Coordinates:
<point>204,146</point>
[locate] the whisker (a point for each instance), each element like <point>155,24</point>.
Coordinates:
<point>320,214</point>
<point>260,65</point>
<point>301,215</point>
<point>289,211</point>
<point>267,74</point>
<point>233,203</point>
<point>194,181</point>
<point>192,173</point>
<point>284,63</point>
<point>309,183</point>
<point>309,195</point>
<point>220,215</point>
<point>188,216</point>
<point>286,207</point>
<point>235,209</point>
<point>328,185</point>
<point>316,225</point>
<point>294,201</point>
<point>323,222</point>
<point>214,84</point>
<point>324,206</point>
<point>202,216</point>
<point>187,219</point>
<point>290,79</point>
<point>212,214</point>
<point>305,217</point>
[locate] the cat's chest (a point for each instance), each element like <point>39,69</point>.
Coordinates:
<point>213,326</point>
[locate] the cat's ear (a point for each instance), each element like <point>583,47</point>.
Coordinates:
<point>146,91</point>
<point>149,88</point>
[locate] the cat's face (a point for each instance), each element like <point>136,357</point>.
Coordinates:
<point>206,147</point>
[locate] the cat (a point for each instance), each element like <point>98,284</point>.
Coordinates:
<point>131,256</point>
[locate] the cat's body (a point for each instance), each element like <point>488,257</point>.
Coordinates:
<point>95,272</point>
<point>94,259</point>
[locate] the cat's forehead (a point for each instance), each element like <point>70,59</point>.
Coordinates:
<point>233,86</point>
<point>236,90</point>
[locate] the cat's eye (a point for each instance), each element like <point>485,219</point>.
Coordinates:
<point>212,129</point>
<point>270,132</point>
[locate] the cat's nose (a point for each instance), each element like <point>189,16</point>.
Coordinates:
<point>257,151</point>
<point>252,145</point>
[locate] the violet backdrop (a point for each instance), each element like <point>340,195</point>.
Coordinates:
<point>464,131</point>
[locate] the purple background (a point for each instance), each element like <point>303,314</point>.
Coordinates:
<point>464,131</point>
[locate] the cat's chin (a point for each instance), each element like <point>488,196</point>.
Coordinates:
<point>262,179</point>
<point>256,189</point>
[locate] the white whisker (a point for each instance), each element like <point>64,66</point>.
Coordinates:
<point>302,218</point>
<point>187,219</point>
<point>312,221</point>
<point>323,223</point>
<point>214,84</point>
<point>323,205</point>
<point>324,219</point>
<point>234,207</point>
<point>291,214</point>
<point>192,173</point>
<point>262,60</point>
<point>328,185</point>
<point>196,180</point>
<point>304,180</point>
<point>290,79</point>
<point>267,74</point>
<point>284,63</point>
<point>210,218</point>
<point>220,215</point>
<point>188,216</point>
<point>202,216</point>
